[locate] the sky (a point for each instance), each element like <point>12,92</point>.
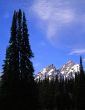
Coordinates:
<point>56,29</point>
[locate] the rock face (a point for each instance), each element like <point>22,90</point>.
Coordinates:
<point>50,71</point>
<point>68,70</point>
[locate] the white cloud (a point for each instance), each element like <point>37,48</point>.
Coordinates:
<point>77,51</point>
<point>61,21</point>
<point>54,14</point>
<point>42,9</point>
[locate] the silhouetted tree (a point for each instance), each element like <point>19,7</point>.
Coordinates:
<point>19,88</point>
<point>81,88</point>
<point>10,67</point>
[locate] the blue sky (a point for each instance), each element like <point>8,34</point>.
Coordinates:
<point>56,28</point>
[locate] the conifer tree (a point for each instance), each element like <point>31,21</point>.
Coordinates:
<point>11,61</point>
<point>19,88</point>
<point>26,53</point>
<point>10,67</point>
<point>81,88</point>
<point>81,67</point>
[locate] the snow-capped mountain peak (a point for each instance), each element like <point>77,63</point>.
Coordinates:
<point>50,71</point>
<point>68,70</point>
<point>66,67</point>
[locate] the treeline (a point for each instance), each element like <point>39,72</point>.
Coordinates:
<point>60,94</point>
<point>19,90</point>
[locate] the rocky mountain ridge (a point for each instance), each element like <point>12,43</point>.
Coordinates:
<point>68,71</point>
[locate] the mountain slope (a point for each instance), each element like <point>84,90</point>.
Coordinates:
<point>50,71</point>
<point>68,70</point>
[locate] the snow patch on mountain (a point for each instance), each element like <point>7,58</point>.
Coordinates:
<point>68,70</point>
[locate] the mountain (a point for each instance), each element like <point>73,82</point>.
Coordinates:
<point>68,71</point>
<point>50,71</point>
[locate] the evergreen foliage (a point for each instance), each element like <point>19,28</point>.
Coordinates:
<point>18,86</point>
<point>81,88</point>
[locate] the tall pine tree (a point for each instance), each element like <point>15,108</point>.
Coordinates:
<point>26,53</point>
<point>10,67</point>
<point>81,88</point>
<point>19,88</point>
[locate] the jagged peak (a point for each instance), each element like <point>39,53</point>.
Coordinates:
<point>70,62</point>
<point>67,70</point>
<point>50,66</point>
